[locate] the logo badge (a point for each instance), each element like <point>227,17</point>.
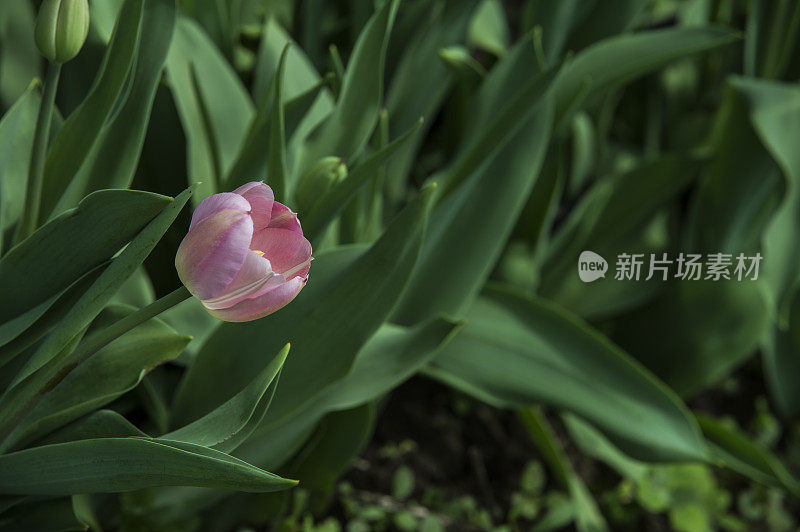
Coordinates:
<point>591,266</point>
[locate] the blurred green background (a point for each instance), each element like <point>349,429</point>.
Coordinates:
<point>448,369</point>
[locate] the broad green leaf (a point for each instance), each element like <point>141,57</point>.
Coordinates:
<point>509,120</point>
<point>488,29</point>
<point>137,291</point>
<point>618,60</point>
<point>773,111</point>
<point>556,19</point>
<point>98,424</point>
<point>732,210</point>
<point>299,78</point>
<point>518,73</point>
<point>191,317</point>
<point>696,332</point>
<point>610,219</point>
<point>392,355</point>
<point>214,119</point>
<point>351,294</point>
<point>114,158</point>
<point>755,132</point>
<point>47,365</point>
<point>16,138</point>
<point>420,83</point>
<point>103,15</point>
<point>276,158</point>
<point>597,20</point>
<point>84,126</point>
<point>516,351</point>
<point>453,268</point>
<point>124,464</point>
<point>335,444</point>
<point>267,128</point>
<point>345,132</point>
<point>225,421</point>
<point>31,326</point>
<point>112,371</point>
<point>336,199</point>
<point>106,285</point>
<point>20,61</point>
<point>736,451</point>
<point>111,217</point>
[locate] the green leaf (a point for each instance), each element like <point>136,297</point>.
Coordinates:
<point>219,93</point>
<point>299,78</point>
<point>736,451</point>
<point>47,365</point>
<point>20,61</point>
<point>115,156</point>
<point>420,82</point>
<point>98,424</point>
<point>82,129</point>
<point>112,217</point>
<point>515,351</point>
<point>489,29</point>
<point>137,291</point>
<point>345,132</point>
<point>31,326</point>
<point>252,159</point>
<point>484,211</point>
<point>112,371</point>
<point>610,218</point>
<point>390,357</point>
<point>124,464</point>
<point>225,421</point>
<point>618,60</point>
<point>106,285</point>
<point>16,139</point>
<point>276,158</point>
<point>697,332</point>
<point>593,443</point>
<point>336,199</point>
<point>191,317</point>
<point>335,444</point>
<point>350,295</point>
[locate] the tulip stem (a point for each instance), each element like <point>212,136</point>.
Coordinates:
<point>33,195</point>
<point>29,392</point>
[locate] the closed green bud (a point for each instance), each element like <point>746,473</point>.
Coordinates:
<point>61,28</point>
<point>319,180</point>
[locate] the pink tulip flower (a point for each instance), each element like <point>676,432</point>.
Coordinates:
<point>245,255</point>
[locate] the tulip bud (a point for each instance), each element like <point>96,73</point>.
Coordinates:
<point>61,28</point>
<point>245,255</point>
<point>317,181</point>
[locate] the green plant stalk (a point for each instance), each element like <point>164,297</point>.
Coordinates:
<point>33,194</point>
<point>31,390</point>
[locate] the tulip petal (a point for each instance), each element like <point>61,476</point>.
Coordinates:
<point>219,202</point>
<point>258,307</point>
<point>285,249</point>
<point>213,252</point>
<point>261,199</point>
<point>284,218</point>
<point>254,278</point>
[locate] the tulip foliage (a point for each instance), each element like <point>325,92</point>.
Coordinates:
<point>447,166</point>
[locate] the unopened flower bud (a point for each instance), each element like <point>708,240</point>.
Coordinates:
<point>318,180</point>
<point>61,28</point>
